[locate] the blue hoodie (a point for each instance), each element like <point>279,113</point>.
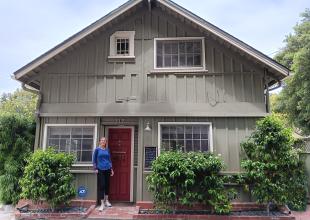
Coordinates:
<point>102,159</point>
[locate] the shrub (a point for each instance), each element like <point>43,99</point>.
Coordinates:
<point>47,176</point>
<point>16,144</point>
<point>274,171</point>
<point>184,178</point>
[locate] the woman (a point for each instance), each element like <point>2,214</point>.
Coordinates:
<point>103,167</point>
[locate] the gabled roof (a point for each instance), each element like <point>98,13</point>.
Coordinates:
<point>275,67</point>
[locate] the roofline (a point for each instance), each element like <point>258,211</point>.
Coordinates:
<point>226,36</point>
<point>284,71</point>
<point>75,38</point>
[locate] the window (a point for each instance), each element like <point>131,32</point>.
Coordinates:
<point>185,136</point>
<point>179,53</point>
<point>122,45</point>
<point>76,139</point>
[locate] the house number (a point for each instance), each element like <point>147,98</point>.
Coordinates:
<point>119,121</point>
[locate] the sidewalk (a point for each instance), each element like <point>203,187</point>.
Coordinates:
<point>302,215</point>
<point>6,212</point>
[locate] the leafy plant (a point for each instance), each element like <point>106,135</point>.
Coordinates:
<point>274,171</point>
<point>179,178</point>
<point>16,143</point>
<point>47,176</point>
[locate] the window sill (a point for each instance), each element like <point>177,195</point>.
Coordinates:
<point>127,59</point>
<point>194,71</point>
<point>82,165</point>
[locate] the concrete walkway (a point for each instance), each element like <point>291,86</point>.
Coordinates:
<point>303,215</point>
<point>6,212</point>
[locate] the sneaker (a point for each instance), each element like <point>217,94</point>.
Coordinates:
<point>107,203</point>
<point>101,208</point>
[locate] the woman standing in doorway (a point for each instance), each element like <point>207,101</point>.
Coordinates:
<point>103,167</point>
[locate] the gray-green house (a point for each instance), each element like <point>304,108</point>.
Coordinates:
<point>149,75</point>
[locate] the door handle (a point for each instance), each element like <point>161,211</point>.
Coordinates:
<point>118,152</point>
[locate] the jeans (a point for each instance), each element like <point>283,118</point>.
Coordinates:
<point>103,184</point>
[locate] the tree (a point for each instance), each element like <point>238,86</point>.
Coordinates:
<point>273,169</point>
<point>19,102</point>
<point>17,131</point>
<point>294,99</point>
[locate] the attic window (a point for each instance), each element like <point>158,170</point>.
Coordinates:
<point>122,45</point>
<point>179,53</point>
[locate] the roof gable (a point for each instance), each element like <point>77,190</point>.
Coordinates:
<point>279,70</point>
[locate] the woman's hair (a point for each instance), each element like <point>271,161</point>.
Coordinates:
<point>104,138</point>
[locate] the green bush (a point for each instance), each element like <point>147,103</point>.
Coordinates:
<point>274,172</point>
<point>179,178</point>
<point>16,144</point>
<point>47,176</point>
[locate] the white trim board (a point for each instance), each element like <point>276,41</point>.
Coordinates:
<point>106,134</point>
<point>185,123</point>
<point>71,125</point>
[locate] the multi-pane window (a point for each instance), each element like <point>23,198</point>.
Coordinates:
<point>179,53</point>
<point>186,137</point>
<point>78,140</point>
<point>122,46</point>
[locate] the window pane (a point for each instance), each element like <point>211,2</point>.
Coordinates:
<point>87,144</point>
<point>204,145</point>
<point>88,132</point>
<point>86,156</point>
<point>189,145</point>
<point>165,145</point>
<point>77,132</point>
<point>205,132</point>
<point>165,132</point>
<point>167,48</point>
<point>182,60</point>
<point>182,47</point>
<point>167,61</point>
<point>189,132</point>
<point>180,132</point>
<point>173,144</point>
<point>196,145</point>
<point>174,48</point>
<point>189,47</point>
<point>159,48</point>
<point>197,47</point>
<point>172,132</point>
<point>53,142</point>
<point>196,132</point>
<point>189,60</point>
<point>180,145</point>
<point>159,61</point>
<point>197,60</point>
<point>174,60</point>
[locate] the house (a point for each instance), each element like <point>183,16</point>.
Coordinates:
<point>150,76</point>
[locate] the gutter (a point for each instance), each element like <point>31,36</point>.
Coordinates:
<point>37,110</point>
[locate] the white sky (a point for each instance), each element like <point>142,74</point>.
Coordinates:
<point>31,27</point>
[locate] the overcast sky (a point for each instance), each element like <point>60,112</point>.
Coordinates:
<point>31,27</point>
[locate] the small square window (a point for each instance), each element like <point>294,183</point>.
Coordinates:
<point>122,46</point>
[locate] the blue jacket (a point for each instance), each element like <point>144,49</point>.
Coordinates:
<point>102,159</point>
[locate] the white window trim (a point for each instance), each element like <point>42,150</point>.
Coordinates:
<point>122,34</point>
<point>185,123</point>
<point>71,125</point>
<point>203,54</point>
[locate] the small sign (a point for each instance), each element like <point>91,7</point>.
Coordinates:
<point>150,154</point>
<point>82,191</point>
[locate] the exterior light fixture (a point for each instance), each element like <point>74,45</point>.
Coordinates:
<point>147,128</point>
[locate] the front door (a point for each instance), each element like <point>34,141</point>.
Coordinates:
<point>119,141</point>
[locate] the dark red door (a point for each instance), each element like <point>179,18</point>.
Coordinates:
<point>119,142</point>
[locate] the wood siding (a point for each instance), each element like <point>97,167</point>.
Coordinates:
<point>84,75</point>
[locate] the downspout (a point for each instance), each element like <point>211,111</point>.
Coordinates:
<point>266,90</point>
<point>37,113</point>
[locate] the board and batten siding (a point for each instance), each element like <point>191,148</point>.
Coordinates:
<point>84,74</point>
<point>227,134</point>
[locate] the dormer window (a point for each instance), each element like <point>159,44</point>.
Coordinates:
<point>122,45</point>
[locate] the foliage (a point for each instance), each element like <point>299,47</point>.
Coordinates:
<point>20,102</point>
<point>183,178</point>
<point>16,143</point>
<point>47,176</point>
<point>294,99</point>
<point>274,171</point>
